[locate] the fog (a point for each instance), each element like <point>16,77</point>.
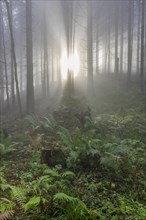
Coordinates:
<point>67,43</point>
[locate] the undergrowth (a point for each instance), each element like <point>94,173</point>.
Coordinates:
<point>102,175</point>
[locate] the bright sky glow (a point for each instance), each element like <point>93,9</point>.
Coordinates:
<point>70,63</point>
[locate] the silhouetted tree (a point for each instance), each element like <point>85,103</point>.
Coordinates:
<point>29,56</point>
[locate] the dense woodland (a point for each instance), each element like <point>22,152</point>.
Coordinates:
<point>72,110</point>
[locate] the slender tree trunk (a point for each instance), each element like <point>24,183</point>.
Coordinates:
<point>42,77</point>
<point>14,57</point>
<point>116,36</point>
<point>5,64</point>
<point>29,52</point>
<point>105,53</point>
<point>142,47</point>
<point>21,72</point>
<point>89,47</point>
<point>138,36</point>
<point>109,46</point>
<point>129,41</point>
<point>70,45</point>
<point>97,52</point>
<point>46,69</point>
<point>12,65</point>
<point>1,65</point>
<point>122,39</point>
<point>52,64</point>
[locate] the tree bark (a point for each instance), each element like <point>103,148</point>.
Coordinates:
<point>138,36</point>
<point>12,65</point>
<point>142,47</point>
<point>129,41</point>
<point>5,64</point>
<point>1,65</point>
<point>29,55</point>
<point>122,39</point>
<point>89,47</point>
<point>116,36</point>
<point>14,56</point>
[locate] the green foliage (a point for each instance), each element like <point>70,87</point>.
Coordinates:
<point>121,156</point>
<point>73,208</point>
<point>44,124</point>
<point>124,156</point>
<point>68,175</point>
<point>6,209</point>
<point>4,149</point>
<point>107,157</point>
<point>33,202</point>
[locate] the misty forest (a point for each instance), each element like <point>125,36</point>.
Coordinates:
<point>72,110</point>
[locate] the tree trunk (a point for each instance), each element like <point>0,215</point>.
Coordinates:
<point>5,64</point>
<point>89,47</point>
<point>12,65</point>
<point>116,36</point>
<point>109,46</point>
<point>138,36</point>
<point>129,41</point>
<point>14,56</point>
<point>122,39</point>
<point>142,47</point>
<point>97,52</point>
<point>1,66</point>
<point>29,55</point>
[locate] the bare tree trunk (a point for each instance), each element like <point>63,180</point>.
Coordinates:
<point>46,69</point>
<point>129,41</point>
<point>142,47</point>
<point>5,64</point>
<point>42,78</point>
<point>52,64</point>
<point>1,65</point>
<point>12,65</point>
<point>116,36</point>
<point>21,72</point>
<point>89,47</point>
<point>70,45</point>
<point>138,36</point>
<point>122,39</point>
<point>14,56</point>
<point>109,46</point>
<point>105,53</point>
<point>97,52</point>
<point>29,52</point>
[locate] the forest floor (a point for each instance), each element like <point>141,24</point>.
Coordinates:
<point>71,165</point>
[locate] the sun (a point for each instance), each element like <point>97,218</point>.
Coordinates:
<point>70,63</point>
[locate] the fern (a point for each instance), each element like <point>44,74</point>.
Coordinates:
<point>42,183</point>
<point>51,172</point>
<point>3,184</point>
<point>6,215</point>
<point>73,208</point>
<point>33,202</point>
<point>6,209</point>
<point>66,137</point>
<point>62,197</point>
<point>5,149</point>
<point>68,175</point>
<point>19,195</point>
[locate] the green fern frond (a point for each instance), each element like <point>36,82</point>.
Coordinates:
<point>51,172</point>
<point>68,175</point>
<point>18,194</point>
<point>33,202</point>
<point>6,215</point>
<point>6,209</point>
<point>62,197</point>
<point>66,137</point>
<point>3,184</point>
